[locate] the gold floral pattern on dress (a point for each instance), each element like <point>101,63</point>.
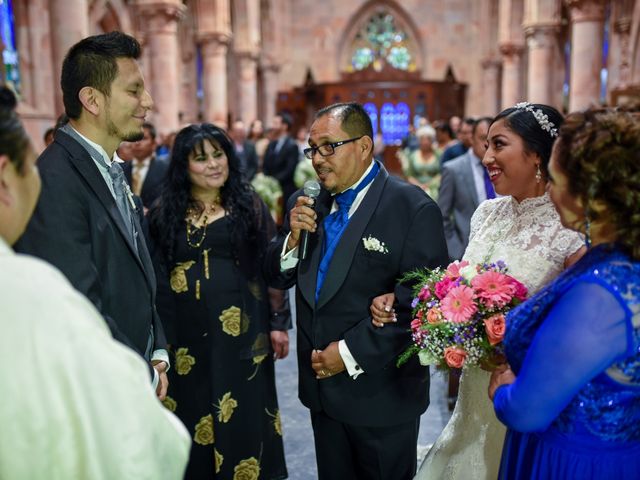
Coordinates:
<point>170,404</point>
<point>184,361</point>
<point>260,351</point>
<point>276,422</point>
<point>179,277</point>
<point>247,469</point>
<point>230,319</point>
<point>204,431</point>
<point>226,406</point>
<point>254,289</point>
<point>219,459</point>
<point>245,322</point>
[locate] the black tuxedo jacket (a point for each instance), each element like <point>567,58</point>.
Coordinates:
<point>282,165</point>
<point>152,185</point>
<point>78,228</point>
<point>410,225</point>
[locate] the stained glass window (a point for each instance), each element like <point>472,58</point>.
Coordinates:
<point>394,122</point>
<point>9,52</point>
<point>381,41</point>
<point>372,111</point>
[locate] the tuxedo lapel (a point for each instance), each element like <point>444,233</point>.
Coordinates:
<point>87,168</point>
<point>351,238</point>
<point>308,269</point>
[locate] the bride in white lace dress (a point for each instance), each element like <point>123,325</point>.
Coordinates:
<point>523,229</point>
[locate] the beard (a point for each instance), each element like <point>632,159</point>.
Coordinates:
<point>124,136</point>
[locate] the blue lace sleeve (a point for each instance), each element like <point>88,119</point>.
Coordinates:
<point>584,333</point>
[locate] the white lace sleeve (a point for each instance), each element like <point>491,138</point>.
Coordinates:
<point>478,218</point>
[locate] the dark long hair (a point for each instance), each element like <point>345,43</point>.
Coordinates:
<point>535,138</point>
<point>168,213</point>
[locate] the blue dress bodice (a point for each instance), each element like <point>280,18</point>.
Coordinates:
<point>605,406</point>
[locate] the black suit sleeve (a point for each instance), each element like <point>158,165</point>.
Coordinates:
<point>376,348</point>
<point>59,233</point>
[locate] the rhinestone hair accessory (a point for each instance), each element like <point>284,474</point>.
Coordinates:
<point>540,116</point>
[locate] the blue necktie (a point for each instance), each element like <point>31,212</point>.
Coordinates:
<point>488,186</point>
<point>336,223</point>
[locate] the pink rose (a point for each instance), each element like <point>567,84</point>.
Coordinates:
<point>443,287</point>
<point>424,294</point>
<point>416,323</point>
<point>521,291</point>
<point>453,270</point>
<point>433,315</point>
<point>454,357</point>
<point>495,327</point>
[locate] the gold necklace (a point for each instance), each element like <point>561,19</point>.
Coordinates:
<point>192,222</point>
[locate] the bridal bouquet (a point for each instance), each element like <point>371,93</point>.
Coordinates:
<point>459,313</point>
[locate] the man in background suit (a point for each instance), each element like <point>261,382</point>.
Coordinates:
<point>364,410</point>
<point>145,173</point>
<point>85,222</point>
<point>281,157</point>
<point>464,185</point>
<point>245,149</point>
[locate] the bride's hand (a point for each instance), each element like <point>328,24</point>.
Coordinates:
<point>497,362</point>
<point>382,310</point>
<point>500,376</point>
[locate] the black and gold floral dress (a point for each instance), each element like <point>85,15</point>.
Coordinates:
<point>222,382</point>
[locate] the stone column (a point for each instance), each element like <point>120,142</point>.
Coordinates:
<point>69,24</point>
<point>491,85</point>
<point>214,48</point>
<point>270,81</point>
<point>511,74</point>
<point>622,28</point>
<point>160,21</point>
<point>248,70</point>
<point>541,44</point>
<point>587,31</point>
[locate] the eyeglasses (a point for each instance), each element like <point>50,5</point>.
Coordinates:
<point>327,149</point>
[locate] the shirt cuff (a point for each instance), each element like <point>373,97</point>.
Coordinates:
<point>288,260</point>
<point>353,369</point>
<point>161,355</point>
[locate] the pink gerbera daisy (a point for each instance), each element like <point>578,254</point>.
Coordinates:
<point>458,305</point>
<point>493,288</point>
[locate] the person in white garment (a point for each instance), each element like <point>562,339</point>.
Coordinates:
<point>523,229</point>
<point>76,404</point>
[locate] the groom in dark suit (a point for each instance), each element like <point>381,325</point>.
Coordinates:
<point>87,222</point>
<point>366,230</point>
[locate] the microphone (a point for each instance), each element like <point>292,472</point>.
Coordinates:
<point>312,190</point>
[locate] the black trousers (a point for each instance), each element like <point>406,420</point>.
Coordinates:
<point>350,452</point>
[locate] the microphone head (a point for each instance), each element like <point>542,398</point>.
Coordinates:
<point>311,188</point>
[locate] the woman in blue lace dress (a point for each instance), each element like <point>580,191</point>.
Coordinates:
<point>571,398</point>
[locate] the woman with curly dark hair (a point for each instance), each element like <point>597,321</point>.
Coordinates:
<point>210,231</point>
<point>571,396</point>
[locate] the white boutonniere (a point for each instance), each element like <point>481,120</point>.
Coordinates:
<point>374,245</point>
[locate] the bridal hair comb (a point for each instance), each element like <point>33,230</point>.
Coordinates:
<point>540,116</point>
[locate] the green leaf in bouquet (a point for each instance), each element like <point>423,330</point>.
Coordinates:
<point>406,355</point>
<point>427,358</point>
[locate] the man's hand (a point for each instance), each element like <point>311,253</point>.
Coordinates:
<point>301,217</point>
<point>280,343</point>
<point>327,362</point>
<point>163,380</point>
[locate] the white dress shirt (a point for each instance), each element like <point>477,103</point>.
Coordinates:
<point>289,260</point>
<point>478,176</point>
<point>76,403</point>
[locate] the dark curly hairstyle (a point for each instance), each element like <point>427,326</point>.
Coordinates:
<point>168,213</point>
<point>599,151</point>
<point>534,137</point>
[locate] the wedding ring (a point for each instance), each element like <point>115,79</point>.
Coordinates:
<point>299,217</point>
<point>322,373</point>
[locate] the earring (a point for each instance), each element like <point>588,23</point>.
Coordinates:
<point>587,230</point>
<point>538,175</point>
